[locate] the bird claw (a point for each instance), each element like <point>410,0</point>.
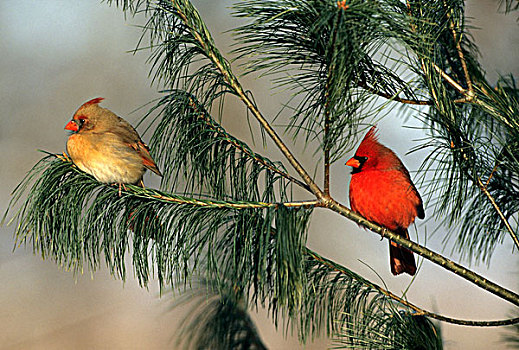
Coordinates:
<point>64,157</point>
<point>383,234</point>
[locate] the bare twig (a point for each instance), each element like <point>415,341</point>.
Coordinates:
<point>450,80</point>
<point>484,189</point>
<point>491,174</point>
<point>457,40</point>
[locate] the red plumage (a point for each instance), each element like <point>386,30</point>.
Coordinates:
<point>381,190</point>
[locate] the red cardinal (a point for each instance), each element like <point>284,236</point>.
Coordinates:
<point>107,146</point>
<point>382,191</point>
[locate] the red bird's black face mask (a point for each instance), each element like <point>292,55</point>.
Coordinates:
<point>357,162</point>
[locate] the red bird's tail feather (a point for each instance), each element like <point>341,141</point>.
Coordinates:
<point>401,259</point>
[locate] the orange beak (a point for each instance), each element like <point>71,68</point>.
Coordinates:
<point>354,163</point>
<point>72,126</point>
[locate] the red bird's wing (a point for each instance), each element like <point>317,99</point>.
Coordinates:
<point>420,212</point>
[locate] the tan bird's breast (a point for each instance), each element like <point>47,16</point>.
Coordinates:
<point>105,157</point>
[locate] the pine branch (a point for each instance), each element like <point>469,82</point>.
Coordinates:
<point>325,50</point>
<point>499,211</point>
<point>354,311</point>
<point>436,258</point>
<point>417,310</point>
<point>73,218</point>
<point>466,155</point>
<point>328,202</point>
<point>217,322</point>
<point>328,103</point>
<point>188,136</point>
<point>457,39</point>
<point>467,152</point>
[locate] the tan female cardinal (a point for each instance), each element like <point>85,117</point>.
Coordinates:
<point>107,146</point>
<point>382,191</point>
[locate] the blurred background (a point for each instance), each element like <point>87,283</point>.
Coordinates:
<point>57,54</point>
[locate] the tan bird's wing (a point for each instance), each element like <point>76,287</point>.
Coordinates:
<point>130,137</point>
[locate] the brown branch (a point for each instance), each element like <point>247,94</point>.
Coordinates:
<point>461,56</point>
<point>484,189</point>
<point>436,258</point>
<point>140,192</point>
<point>419,311</point>
<point>491,174</point>
<point>217,128</point>
<point>450,80</point>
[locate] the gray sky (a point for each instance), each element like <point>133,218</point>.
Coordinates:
<point>58,54</point>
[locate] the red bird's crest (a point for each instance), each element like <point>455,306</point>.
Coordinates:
<point>372,134</point>
<point>369,140</point>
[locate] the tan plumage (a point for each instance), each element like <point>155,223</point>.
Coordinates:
<point>107,146</point>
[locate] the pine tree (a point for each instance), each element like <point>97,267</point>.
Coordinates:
<point>229,226</point>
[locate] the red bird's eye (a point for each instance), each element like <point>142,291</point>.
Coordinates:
<point>81,121</point>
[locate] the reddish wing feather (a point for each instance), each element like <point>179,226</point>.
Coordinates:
<point>147,161</point>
